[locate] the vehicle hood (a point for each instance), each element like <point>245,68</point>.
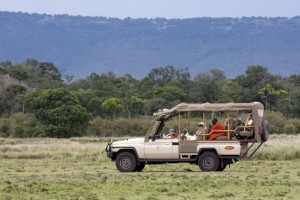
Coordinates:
<point>129,141</point>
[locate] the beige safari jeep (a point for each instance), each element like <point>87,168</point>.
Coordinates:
<point>239,140</point>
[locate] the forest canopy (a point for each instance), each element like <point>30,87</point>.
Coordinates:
<point>38,101</point>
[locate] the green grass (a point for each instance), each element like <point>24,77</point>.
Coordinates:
<point>78,168</point>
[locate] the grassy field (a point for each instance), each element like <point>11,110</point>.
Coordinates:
<point>78,168</point>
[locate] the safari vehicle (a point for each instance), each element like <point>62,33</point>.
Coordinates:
<point>211,155</point>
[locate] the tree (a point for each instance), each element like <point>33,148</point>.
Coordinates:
<point>90,100</point>
<point>113,105</point>
<point>11,99</point>
<point>60,111</point>
<point>256,77</point>
<point>69,78</point>
<point>217,75</point>
<point>137,104</point>
<point>171,94</point>
<point>48,69</point>
<point>145,87</point>
<point>269,93</point>
<point>19,72</point>
<point>31,63</point>
<point>163,75</point>
<point>104,84</point>
<point>204,89</point>
<point>128,87</point>
<point>154,104</point>
<point>290,105</point>
<point>230,91</point>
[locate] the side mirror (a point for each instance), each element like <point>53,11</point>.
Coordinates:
<point>153,137</point>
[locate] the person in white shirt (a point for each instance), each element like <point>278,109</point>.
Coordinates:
<point>200,131</point>
<point>249,121</point>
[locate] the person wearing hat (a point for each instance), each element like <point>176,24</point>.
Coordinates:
<point>171,134</point>
<point>185,134</point>
<point>216,127</point>
<point>200,131</point>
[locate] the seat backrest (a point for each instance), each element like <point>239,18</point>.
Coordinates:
<point>231,124</point>
<point>239,122</point>
<point>207,129</point>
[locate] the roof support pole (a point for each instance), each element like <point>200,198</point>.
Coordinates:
<point>189,121</point>
<point>179,128</point>
<point>228,126</point>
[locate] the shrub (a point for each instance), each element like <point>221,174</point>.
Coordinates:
<point>292,126</point>
<point>120,127</point>
<point>276,121</point>
<point>59,110</point>
<point>21,125</point>
<point>4,127</point>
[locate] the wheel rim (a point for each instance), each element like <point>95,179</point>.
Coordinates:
<point>208,162</point>
<point>125,163</point>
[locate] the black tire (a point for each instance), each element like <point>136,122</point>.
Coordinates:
<point>140,167</point>
<point>265,131</point>
<point>209,161</point>
<point>126,162</point>
<point>221,168</point>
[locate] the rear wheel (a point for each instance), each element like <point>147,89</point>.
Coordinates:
<point>209,161</point>
<point>126,162</point>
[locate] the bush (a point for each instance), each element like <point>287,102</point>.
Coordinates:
<point>292,126</point>
<point>60,112</point>
<point>120,127</point>
<point>289,129</point>
<point>279,124</point>
<point>4,127</point>
<point>21,125</point>
<point>276,121</point>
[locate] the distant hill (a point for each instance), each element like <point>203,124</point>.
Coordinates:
<point>82,45</point>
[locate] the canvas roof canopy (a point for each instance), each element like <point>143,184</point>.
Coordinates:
<point>207,107</point>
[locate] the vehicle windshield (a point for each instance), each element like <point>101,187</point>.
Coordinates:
<point>153,128</point>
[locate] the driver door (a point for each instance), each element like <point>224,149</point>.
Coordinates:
<point>161,148</point>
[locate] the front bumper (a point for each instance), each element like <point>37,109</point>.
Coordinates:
<point>108,150</point>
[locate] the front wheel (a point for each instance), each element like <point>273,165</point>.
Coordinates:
<point>209,161</point>
<point>126,162</point>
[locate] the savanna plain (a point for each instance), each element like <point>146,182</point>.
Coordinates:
<point>77,168</point>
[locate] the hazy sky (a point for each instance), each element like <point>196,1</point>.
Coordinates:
<point>157,8</point>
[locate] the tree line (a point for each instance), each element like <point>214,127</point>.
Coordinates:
<point>36,101</point>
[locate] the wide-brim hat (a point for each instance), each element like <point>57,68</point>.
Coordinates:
<point>171,130</point>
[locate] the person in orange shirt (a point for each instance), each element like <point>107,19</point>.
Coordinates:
<point>216,127</point>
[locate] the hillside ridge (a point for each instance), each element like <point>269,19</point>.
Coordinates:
<point>82,45</point>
